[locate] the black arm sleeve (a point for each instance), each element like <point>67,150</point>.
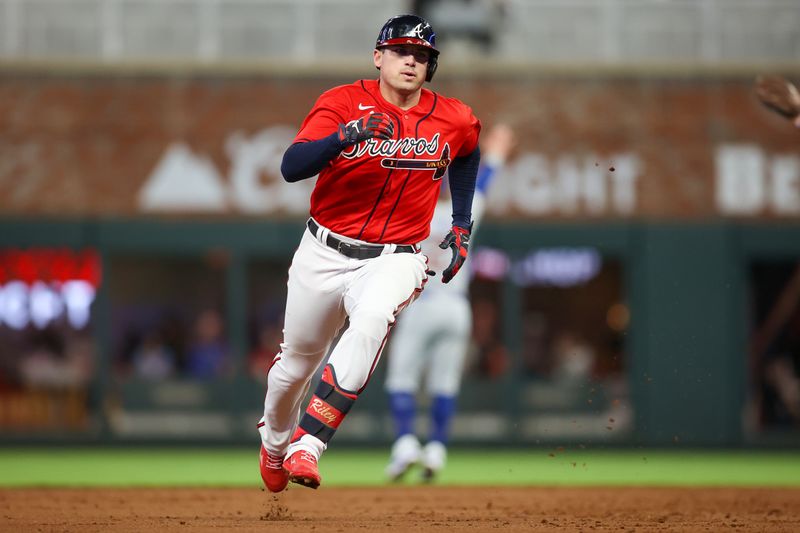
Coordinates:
<point>305,159</point>
<point>463,172</point>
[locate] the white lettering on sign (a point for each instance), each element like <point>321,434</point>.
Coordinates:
<point>749,182</point>
<point>785,185</point>
<point>568,185</point>
<point>740,187</point>
<point>532,185</point>
<point>183,181</point>
<point>186,181</point>
<point>254,160</point>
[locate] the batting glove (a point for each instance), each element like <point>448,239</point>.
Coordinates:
<point>367,127</point>
<point>779,95</point>
<point>458,241</point>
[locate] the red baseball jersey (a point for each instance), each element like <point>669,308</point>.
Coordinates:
<point>385,191</point>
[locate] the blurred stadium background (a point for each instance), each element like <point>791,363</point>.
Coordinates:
<point>637,282</point>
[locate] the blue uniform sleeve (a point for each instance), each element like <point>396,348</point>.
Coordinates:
<point>486,174</point>
<point>463,172</point>
<point>303,160</point>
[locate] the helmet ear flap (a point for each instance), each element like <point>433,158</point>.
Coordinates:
<point>433,62</point>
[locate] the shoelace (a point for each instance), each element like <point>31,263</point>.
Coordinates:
<point>274,462</point>
<point>307,456</point>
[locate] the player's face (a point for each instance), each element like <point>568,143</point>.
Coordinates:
<point>403,67</point>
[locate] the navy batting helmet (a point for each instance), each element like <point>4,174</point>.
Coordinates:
<point>410,29</point>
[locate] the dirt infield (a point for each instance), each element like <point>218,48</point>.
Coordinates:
<point>401,509</point>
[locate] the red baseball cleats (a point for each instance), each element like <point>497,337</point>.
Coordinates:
<point>273,473</point>
<point>302,469</point>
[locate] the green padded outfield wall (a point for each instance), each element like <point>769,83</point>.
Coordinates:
<point>686,286</point>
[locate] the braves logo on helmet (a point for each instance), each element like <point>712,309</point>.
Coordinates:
<point>417,31</point>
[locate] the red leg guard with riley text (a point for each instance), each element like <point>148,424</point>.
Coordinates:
<point>326,410</point>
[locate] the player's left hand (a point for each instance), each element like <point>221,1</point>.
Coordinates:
<point>458,241</point>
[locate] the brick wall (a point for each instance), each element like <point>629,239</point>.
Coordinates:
<point>86,146</point>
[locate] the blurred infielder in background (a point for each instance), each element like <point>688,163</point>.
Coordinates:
<point>380,148</point>
<point>432,337</point>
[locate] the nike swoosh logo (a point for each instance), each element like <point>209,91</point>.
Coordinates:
<point>365,107</point>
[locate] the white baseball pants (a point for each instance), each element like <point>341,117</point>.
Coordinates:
<point>324,288</point>
<point>430,340</point>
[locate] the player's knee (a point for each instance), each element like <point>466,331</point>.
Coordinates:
<point>373,323</point>
<point>303,347</point>
<point>289,370</point>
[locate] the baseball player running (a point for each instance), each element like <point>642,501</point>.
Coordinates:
<point>431,338</point>
<point>380,148</point>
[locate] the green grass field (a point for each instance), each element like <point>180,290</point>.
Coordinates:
<point>236,467</point>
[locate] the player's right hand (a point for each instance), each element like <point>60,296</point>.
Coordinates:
<point>374,125</point>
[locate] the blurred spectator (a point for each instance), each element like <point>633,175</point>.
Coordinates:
<point>489,353</point>
<point>207,355</point>
<point>50,387</point>
<point>535,342</point>
<point>173,331</point>
<point>56,361</point>
<point>153,359</point>
<point>268,339</point>
<point>775,345</point>
<point>777,349</point>
<point>573,358</point>
<point>153,344</point>
<point>782,390</point>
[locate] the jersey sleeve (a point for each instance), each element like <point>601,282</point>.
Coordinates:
<point>324,118</point>
<point>472,128</point>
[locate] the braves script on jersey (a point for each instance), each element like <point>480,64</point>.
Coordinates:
<point>385,191</point>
